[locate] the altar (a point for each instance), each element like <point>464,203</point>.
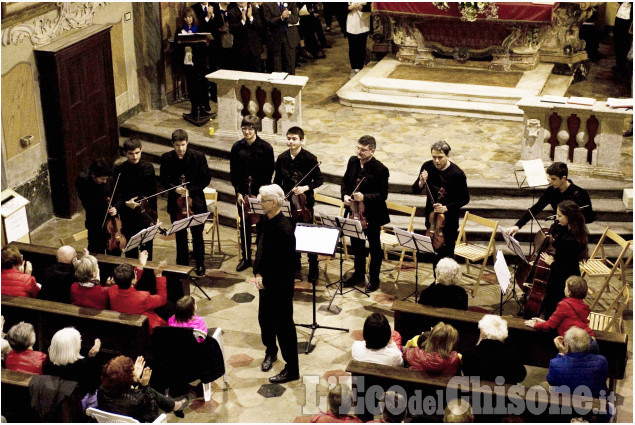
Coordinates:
<point>510,36</point>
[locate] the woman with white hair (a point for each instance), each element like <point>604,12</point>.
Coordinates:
<point>87,291</point>
<point>66,361</point>
<point>445,292</point>
<point>492,357</point>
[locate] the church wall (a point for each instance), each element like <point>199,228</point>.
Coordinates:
<point>25,168</point>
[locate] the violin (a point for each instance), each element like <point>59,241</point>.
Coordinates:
<point>437,220</point>
<point>300,211</point>
<point>253,217</point>
<point>184,202</point>
<point>116,240</point>
<point>358,209</point>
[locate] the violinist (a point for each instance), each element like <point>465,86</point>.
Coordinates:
<point>183,161</point>
<point>570,239</point>
<point>94,185</point>
<point>448,187</point>
<point>250,166</point>
<point>295,166</point>
<point>370,177</point>
<point>136,180</point>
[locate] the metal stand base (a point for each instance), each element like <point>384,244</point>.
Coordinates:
<point>195,282</point>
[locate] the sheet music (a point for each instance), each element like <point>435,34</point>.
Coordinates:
<point>502,272</point>
<point>513,244</point>
<point>318,240</point>
<point>421,243</point>
<point>535,172</point>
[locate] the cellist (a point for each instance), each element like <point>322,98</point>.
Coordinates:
<point>298,172</point>
<point>184,161</point>
<point>366,180</point>
<point>448,186</point>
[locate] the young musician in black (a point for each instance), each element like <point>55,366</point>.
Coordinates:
<point>298,173</point>
<point>94,186</point>
<point>372,191</point>
<point>560,189</point>
<point>448,187</point>
<point>250,166</point>
<point>136,181</point>
<point>183,161</point>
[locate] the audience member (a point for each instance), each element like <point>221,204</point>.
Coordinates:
<point>5,344</point>
<point>492,357</point>
<point>124,298</point>
<point>190,22</point>
<point>87,291</point>
<point>458,411</point>
<point>339,10</point>
<point>184,315</point>
<point>282,21</point>
<point>575,366</point>
<point>394,408</point>
<point>311,30</point>
<point>445,292</point>
<point>622,38</point>
<point>223,37</point>
<point>246,25</point>
<point>58,278</point>
<point>340,400</point>
<point>22,357</point>
<point>434,352</point>
<point>16,274</point>
<point>377,346</point>
<point>357,29</point>
<point>66,361</point>
<point>125,391</point>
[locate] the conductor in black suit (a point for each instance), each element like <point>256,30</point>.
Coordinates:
<point>372,191</point>
<point>282,19</point>
<point>245,25</point>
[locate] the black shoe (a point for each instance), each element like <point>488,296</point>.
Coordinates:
<point>200,270</point>
<point>353,280</point>
<point>243,265</point>
<point>371,287</point>
<point>302,60</point>
<point>267,363</point>
<point>284,376</point>
<point>207,108</point>
<point>313,273</point>
<point>179,413</point>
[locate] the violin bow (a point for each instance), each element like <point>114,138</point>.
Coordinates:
<point>358,185</point>
<point>163,191</point>
<point>110,201</point>
<point>302,179</point>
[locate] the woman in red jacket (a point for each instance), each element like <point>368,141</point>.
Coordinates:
<point>87,291</point>
<point>22,357</point>
<point>435,354</point>
<point>16,274</point>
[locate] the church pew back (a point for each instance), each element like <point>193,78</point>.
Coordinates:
<point>15,398</point>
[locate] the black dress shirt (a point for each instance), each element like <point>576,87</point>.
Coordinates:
<point>255,160</point>
<point>289,171</point>
<point>374,187</point>
<point>194,167</point>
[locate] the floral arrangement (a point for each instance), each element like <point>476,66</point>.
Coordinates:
<point>470,10</point>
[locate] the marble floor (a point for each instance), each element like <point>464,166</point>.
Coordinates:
<point>485,154</point>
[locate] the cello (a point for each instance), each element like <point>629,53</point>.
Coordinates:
<point>437,220</point>
<point>358,209</point>
<point>300,212</point>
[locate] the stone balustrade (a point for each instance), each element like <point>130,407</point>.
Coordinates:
<point>277,102</point>
<point>587,138</point>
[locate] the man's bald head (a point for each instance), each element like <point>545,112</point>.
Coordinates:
<point>66,254</point>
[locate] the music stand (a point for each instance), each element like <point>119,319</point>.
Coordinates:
<point>144,236</point>
<point>352,229</point>
<point>184,224</point>
<point>535,177</point>
<point>514,246</point>
<point>502,275</point>
<point>419,243</point>
<point>316,240</point>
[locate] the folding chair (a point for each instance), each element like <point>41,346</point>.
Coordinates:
<point>74,237</point>
<point>472,252</point>
<point>598,265</point>
<point>329,200</point>
<point>211,224</point>
<point>107,418</point>
<point>389,240</point>
<point>608,321</point>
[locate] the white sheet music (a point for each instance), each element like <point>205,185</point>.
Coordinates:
<point>502,272</point>
<point>319,240</point>
<point>535,172</point>
<point>512,244</point>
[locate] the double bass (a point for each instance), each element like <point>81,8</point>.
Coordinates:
<point>437,220</point>
<point>358,209</point>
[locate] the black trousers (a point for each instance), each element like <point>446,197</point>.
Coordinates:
<point>182,248</point>
<point>283,56</point>
<point>622,42</point>
<point>357,50</point>
<point>275,316</point>
<point>376,253</point>
<point>245,233</point>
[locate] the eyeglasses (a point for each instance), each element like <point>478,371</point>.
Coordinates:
<point>362,150</point>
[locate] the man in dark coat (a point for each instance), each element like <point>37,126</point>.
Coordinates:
<point>58,278</point>
<point>372,191</point>
<point>179,166</point>
<point>282,20</point>
<point>273,270</point>
<point>250,166</point>
<point>136,180</point>
<point>246,26</point>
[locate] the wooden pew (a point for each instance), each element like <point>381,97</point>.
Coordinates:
<point>536,347</point>
<point>15,398</point>
<point>127,334</point>
<point>437,391</point>
<point>178,282</point>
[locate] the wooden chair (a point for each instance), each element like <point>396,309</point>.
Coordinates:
<point>74,237</point>
<point>106,417</point>
<point>609,321</point>
<point>598,265</point>
<point>329,200</point>
<point>389,240</point>
<point>211,224</point>
<point>472,252</point>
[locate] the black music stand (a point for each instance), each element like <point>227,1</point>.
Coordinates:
<point>352,229</point>
<point>316,240</point>
<point>144,236</point>
<point>419,243</point>
<point>535,177</point>
<point>184,224</point>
